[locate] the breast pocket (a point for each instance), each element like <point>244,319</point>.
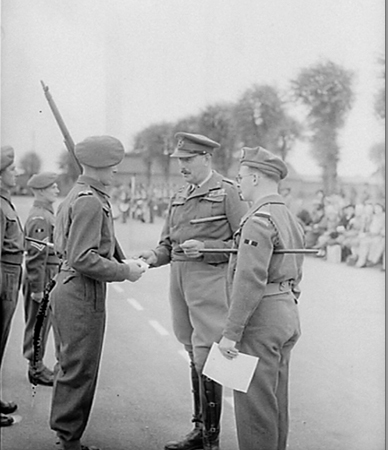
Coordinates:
<point>212,206</point>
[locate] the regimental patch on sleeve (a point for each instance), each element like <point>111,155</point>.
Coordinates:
<point>250,242</point>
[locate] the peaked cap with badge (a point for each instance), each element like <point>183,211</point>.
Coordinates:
<point>263,160</point>
<point>42,180</point>
<point>190,145</point>
<point>7,157</point>
<point>99,151</point>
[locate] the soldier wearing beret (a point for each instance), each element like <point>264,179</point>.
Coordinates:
<point>85,241</point>
<point>203,214</point>
<point>263,318</point>
<point>41,264</point>
<point>12,248</point>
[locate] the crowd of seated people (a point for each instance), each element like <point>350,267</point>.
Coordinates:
<point>357,230</point>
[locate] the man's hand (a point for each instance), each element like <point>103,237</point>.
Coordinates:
<point>148,256</point>
<point>228,348</point>
<point>136,269</point>
<point>192,248</point>
<point>37,296</point>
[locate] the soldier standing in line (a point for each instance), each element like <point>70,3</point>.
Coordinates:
<point>263,318</point>
<point>12,249</point>
<point>41,264</point>
<point>84,239</point>
<point>203,214</point>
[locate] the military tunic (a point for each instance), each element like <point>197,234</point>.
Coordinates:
<point>263,318</point>
<point>84,237</point>
<point>211,214</point>
<point>12,248</point>
<point>41,265</point>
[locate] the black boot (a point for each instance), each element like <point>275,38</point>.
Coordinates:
<point>211,401</point>
<point>193,440</point>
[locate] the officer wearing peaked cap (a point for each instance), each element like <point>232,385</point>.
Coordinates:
<point>190,145</point>
<point>41,265</point>
<point>84,238</point>
<point>12,247</point>
<point>263,289</point>
<point>203,214</point>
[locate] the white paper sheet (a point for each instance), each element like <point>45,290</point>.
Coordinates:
<point>234,373</point>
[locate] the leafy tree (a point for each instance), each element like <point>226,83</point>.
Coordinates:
<point>380,97</point>
<point>262,119</point>
<point>216,122</point>
<point>31,163</point>
<point>377,155</point>
<point>326,91</point>
<point>155,142</point>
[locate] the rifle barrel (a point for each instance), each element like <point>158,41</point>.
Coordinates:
<point>65,132</point>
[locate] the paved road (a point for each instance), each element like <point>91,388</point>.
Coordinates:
<point>143,399</point>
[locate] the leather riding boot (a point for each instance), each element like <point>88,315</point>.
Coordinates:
<point>193,440</point>
<point>40,374</point>
<point>211,402</point>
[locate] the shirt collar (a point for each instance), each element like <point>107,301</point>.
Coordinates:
<point>5,193</point>
<point>45,204</point>
<point>95,184</point>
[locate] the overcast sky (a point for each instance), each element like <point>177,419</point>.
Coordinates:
<point>115,67</point>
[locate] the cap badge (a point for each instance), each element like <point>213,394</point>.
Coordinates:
<point>180,143</point>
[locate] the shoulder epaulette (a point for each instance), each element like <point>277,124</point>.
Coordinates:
<point>262,214</point>
<point>37,218</point>
<point>84,193</point>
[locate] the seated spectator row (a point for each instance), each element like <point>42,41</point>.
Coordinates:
<point>358,230</point>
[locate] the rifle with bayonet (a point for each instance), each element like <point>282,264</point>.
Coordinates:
<point>118,254</point>
<point>65,132</point>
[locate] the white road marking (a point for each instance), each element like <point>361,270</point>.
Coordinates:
<point>156,325</point>
<point>118,288</point>
<point>135,304</point>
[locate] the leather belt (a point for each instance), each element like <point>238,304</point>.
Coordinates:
<point>277,288</point>
<point>14,259</point>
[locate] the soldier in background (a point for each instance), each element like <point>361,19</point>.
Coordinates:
<point>263,318</point>
<point>84,239</point>
<point>12,249</point>
<point>203,214</point>
<point>41,264</point>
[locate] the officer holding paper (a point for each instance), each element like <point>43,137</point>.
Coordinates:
<point>263,318</point>
<point>204,214</point>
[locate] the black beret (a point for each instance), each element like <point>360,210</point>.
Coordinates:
<point>99,151</point>
<point>42,180</point>
<point>7,156</point>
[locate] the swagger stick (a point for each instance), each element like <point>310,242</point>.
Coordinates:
<point>278,251</point>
